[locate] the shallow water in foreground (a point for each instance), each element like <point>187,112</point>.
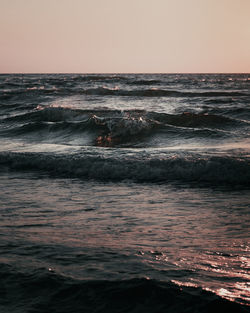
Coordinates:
<point>82,232</point>
<point>124,193</point>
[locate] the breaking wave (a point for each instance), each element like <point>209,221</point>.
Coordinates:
<point>114,127</point>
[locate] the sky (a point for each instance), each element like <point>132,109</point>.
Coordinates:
<point>124,36</point>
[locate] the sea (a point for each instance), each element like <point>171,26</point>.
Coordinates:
<point>124,193</point>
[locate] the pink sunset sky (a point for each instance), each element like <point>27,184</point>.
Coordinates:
<point>130,36</point>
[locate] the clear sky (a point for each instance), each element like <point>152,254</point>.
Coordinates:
<point>107,36</point>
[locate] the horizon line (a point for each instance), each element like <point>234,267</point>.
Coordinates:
<point>124,73</point>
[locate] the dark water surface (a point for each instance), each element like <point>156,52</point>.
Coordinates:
<point>124,193</point>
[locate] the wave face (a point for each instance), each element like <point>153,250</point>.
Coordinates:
<point>43,291</point>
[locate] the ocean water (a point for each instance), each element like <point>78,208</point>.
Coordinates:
<point>124,193</point>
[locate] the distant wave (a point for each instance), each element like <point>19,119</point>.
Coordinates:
<point>42,291</point>
<point>141,82</point>
<point>105,91</point>
<point>174,167</point>
<point>158,93</point>
<point>97,77</point>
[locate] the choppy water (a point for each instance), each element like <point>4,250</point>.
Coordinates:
<point>124,193</point>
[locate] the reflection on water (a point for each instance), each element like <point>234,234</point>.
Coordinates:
<point>237,292</point>
<point>154,231</point>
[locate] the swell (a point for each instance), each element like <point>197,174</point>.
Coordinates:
<point>159,93</point>
<point>94,78</point>
<point>104,91</point>
<point>192,168</point>
<point>45,291</point>
<point>185,119</point>
<point>144,82</point>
